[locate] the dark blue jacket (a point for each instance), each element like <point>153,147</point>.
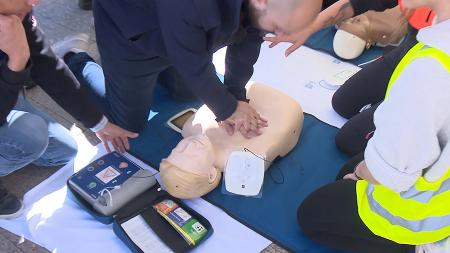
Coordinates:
<point>362,6</point>
<point>50,73</point>
<point>187,33</point>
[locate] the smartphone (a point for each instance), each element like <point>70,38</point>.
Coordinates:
<point>177,122</point>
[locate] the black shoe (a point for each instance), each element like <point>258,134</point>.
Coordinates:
<point>85,4</point>
<point>10,206</point>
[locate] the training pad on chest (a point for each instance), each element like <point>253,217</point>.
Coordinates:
<point>285,119</point>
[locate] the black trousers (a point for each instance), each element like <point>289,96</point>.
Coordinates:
<point>131,75</point>
<point>330,217</point>
<point>366,89</point>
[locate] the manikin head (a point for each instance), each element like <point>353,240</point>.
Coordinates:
<point>361,32</point>
<point>283,16</point>
<point>17,7</point>
<point>189,170</point>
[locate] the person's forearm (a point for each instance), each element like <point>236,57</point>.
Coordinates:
<point>11,82</point>
<point>239,61</point>
<point>335,14</point>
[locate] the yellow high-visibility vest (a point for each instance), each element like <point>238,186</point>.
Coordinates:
<point>420,215</point>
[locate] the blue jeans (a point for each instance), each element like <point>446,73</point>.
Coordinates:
<point>90,75</point>
<point>31,136</point>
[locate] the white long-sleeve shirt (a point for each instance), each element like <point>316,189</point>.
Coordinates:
<point>412,136</point>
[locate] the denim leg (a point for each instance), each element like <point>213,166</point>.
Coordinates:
<point>23,139</point>
<point>61,147</point>
<point>90,75</point>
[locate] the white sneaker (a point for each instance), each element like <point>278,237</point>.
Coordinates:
<point>442,246</point>
<point>75,43</point>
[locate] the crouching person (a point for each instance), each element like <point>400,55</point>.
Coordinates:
<point>28,135</point>
<point>396,196</point>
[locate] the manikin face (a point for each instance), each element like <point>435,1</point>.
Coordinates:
<point>283,16</point>
<point>16,7</point>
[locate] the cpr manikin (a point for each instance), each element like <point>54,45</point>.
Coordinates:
<point>285,119</point>
<point>371,28</point>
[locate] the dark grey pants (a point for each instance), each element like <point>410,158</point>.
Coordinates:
<point>330,217</point>
<point>131,75</point>
<point>367,87</point>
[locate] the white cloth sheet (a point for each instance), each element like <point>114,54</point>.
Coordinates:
<point>309,76</point>
<point>57,223</point>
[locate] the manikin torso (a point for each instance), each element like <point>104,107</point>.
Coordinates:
<point>285,119</point>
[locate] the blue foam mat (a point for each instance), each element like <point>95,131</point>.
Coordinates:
<point>313,163</point>
<point>157,140</point>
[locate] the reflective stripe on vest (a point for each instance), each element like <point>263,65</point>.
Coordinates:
<point>421,214</point>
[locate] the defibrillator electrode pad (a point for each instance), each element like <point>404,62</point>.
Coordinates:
<point>110,182</point>
<point>244,173</point>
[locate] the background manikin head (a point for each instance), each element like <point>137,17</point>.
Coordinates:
<point>347,45</point>
<point>361,32</point>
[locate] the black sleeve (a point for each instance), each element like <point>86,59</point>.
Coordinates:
<point>10,85</point>
<point>186,44</point>
<point>55,78</point>
<point>362,6</point>
<point>239,62</point>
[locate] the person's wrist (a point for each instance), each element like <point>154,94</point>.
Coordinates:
<point>316,26</point>
<point>18,62</point>
<point>100,125</point>
<point>357,175</point>
<point>355,172</point>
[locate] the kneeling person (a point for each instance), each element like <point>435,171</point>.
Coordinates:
<point>28,135</point>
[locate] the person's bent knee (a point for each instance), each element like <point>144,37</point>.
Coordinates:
<point>305,215</point>
<point>350,139</point>
<point>338,104</point>
<point>341,139</point>
<point>32,132</point>
<point>342,102</point>
<point>66,152</point>
<point>343,142</point>
<point>25,141</point>
<point>70,152</point>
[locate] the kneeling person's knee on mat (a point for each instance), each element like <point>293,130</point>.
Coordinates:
<point>25,138</point>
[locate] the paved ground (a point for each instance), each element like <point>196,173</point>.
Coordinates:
<point>58,18</point>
